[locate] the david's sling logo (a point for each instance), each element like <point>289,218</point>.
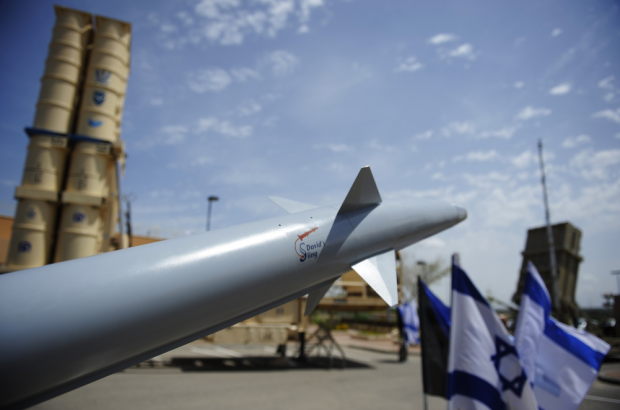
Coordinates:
<point>307,251</point>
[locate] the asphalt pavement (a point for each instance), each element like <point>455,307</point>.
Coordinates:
<point>205,376</point>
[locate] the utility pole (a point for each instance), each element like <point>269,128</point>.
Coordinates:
<point>554,266</point>
<point>211,199</point>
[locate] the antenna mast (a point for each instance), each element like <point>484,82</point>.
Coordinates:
<point>554,266</point>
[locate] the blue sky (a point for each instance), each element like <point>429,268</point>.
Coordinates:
<point>245,99</point>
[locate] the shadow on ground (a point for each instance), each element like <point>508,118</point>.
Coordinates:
<point>201,364</point>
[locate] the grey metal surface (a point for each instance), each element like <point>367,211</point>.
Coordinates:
<point>362,194</point>
<point>314,297</point>
<point>68,324</point>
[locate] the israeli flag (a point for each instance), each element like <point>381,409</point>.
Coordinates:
<point>411,322</point>
<point>563,361</point>
<point>484,370</point>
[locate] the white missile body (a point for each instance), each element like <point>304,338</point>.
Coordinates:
<point>68,324</point>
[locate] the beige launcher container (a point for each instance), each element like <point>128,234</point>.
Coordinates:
<point>45,163</point>
<point>32,236</point>
<point>99,113</point>
<point>63,70</point>
<point>107,71</point>
<point>88,172</point>
<point>106,81</point>
<point>114,37</point>
<point>97,125</point>
<point>80,233</point>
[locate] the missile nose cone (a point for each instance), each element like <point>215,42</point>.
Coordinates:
<point>461,213</point>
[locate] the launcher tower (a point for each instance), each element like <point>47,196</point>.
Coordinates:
<point>68,200</point>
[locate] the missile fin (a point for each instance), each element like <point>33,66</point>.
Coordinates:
<point>290,206</point>
<point>363,192</point>
<point>315,297</point>
<point>380,273</point>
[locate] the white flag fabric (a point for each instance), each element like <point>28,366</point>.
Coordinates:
<point>535,309</point>
<point>484,370</point>
<point>411,322</point>
<point>562,360</point>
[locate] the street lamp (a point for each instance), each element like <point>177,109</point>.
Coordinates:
<point>211,199</point>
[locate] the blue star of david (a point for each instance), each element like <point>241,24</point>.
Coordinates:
<point>518,383</point>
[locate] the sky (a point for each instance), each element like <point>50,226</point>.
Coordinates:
<point>444,100</point>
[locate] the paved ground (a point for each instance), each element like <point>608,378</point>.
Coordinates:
<point>205,376</point>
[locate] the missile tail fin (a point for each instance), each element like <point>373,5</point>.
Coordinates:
<point>380,273</point>
<point>291,206</point>
<point>363,192</point>
<point>315,297</point>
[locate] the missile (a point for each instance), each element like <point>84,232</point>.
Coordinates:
<point>68,324</point>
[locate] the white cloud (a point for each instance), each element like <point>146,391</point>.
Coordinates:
<point>505,133</point>
<point>560,89</point>
<point>465,51</point>
<point>608,114</point>
<point>572,142</point>
<point>281,63</point>
<point>238,176</point>
<point>185,18</point>
<point>249,108</point>
<point>243,74</point>
<point>271,121</point>
<point>519,84</point>
<point>228,22</point>
<point>304,15</point>
<point>477,156</point>
<point>442,38</point>
<point>162,193</point>
<point>168,28</point>
<point>174,128</point>
<point>215,79</point>
<point>483,180</point>
<point>596,165</point>
<point>556,32</point>
<point>209,124</point>
<point>606,83</point>
<point>456,127</point>
<point>523,160</point>
<point>433,242</point>
<point>200,161</point>
<point>423,135</point>
<point>374,144</point>
<point>530,112</point>
<point>410,65</point>
<point>173,135</point>
<point>334,147</point>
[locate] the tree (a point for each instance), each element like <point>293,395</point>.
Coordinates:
<point>411,268</point>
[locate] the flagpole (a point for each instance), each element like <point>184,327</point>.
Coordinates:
<point>422,310</point>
